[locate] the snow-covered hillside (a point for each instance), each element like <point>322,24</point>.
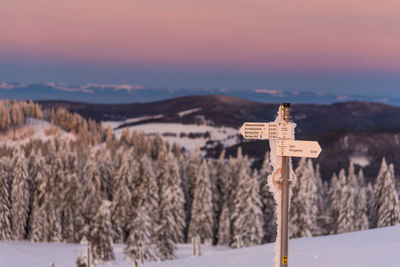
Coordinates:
<point>187,135</point>
<point>34,129</point>
<point>377,247</point>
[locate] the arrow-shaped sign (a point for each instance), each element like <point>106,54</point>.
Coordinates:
<point>263,130</point>
<point>296,148</point>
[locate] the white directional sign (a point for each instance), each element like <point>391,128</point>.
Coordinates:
<point>263,130</point>
<point>296,148</point>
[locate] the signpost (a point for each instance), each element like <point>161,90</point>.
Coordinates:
<point>282,133</point>
<point>263,130</point>
<point>296,148</point>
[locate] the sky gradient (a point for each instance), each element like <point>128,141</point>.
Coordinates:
<point>212,43</point>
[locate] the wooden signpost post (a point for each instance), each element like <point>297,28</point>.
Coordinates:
<point>282,133</point>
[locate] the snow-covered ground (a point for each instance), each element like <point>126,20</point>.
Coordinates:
<point>180,133</point>
<point>377,247</point>
<point>34,129</point>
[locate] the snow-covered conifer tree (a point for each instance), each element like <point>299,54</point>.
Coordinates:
<point>5,205</point>
<point>38,213</point>
<point>386,198</point>
<point>92,194</point>
<point>218,173</point>
<point>247,216</point>
<point>267,201</point>
<point>336,199</point>
<point>189,181</point>
<point>149,191</point>
<point>361,217</point>
<point>371,212</point>
<point>172,214</point>
<point>224,228</point>
<point>19,194</point>
<point>352,177</point>
<point>360,178</point>
<point>121,204</point>
<point>139,243</point>
<point>201,223</point>
<point>101,235</point>
<point>300,220</point>
<point>72,217</point>
<point>345,222</point>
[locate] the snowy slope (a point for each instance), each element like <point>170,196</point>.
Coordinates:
<point>377,247</point>
<point>34,129</point>
<point>179,133</point>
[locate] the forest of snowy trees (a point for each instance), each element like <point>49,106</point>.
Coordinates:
<point>142,192</point>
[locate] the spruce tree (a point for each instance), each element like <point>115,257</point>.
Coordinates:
<point>121,204</point>
<point>172,214</point>
<point>92,194</point>
<point>38,213</point>
<point>72,217</point>
<point>139,242</point>
<point>201,223</point>
<point>336,199</point>
<point>218,174</point>
<point>101,235</point>
<point>224,228</point>
<point>345,222</point>
<point>386,198</point>
<point>247,216</point>
<point>5,205</point>
<point>361,217</point>
<point>19,195</point>
<point>149,190</point>
<point>189,181</point>
<point>267,201</point>
<point>301,220</point>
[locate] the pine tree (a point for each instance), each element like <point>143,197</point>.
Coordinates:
<point>5,205</point>
<point>201,223</point>
<point>92,194</point>
<point>121,204</point>
<point>361,218</point>
<point>139,243</point>
<point>189,181</point>
<point>36,220</point>
<point>218,172</point>
<point>336,199</point>
<point>345,222</point>
<point>352,178</point>
<point>268,202</point>
<point>300,220</point>
<point>247,215</point>
<point>224,228</point>
<point>386,198</point>
<point>101,235</point>
<point>19,194</point>
<point>313,198</point>
<point>149,190</point>
<point>371,212</point>
<point>72,218</point>
<point>172,214</point>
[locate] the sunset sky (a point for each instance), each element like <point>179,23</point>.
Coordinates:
<point>331,45</point>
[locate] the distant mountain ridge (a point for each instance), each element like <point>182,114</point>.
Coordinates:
<point>128,93</point>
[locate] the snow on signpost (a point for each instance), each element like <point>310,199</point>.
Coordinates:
<point>283,146</point>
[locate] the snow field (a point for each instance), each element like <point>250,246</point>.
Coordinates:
<point>227,135</point>
<point>371,248</point>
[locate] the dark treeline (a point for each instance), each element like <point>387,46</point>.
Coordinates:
<point>138,190</point>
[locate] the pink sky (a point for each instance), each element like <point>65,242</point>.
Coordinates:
<point>308,34</point>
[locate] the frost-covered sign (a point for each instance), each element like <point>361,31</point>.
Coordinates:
<point>263,130</point>
<point>296,148</point>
